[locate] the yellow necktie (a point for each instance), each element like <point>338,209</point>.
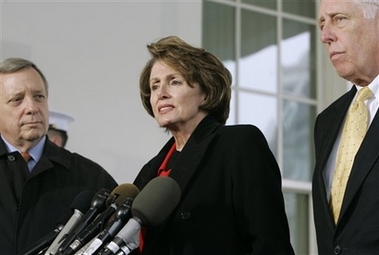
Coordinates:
<point>354,130</point>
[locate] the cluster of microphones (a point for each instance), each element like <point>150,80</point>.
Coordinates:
<point>108,223</point>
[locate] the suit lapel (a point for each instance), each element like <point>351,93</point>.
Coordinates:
<point>363,162</point>
<point>336,118</point>
<point>332,121</point>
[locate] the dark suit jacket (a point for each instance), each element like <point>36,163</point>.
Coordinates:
<point>31,205</point>
<point>231,202</point>
<point>357,230</point>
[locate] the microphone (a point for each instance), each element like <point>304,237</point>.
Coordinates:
<point>117,196</point>
<point>98,205</point>
<point>43,243</point>
<point>80,203</point>
<point>118,220</point>
<point>70,225</point>
<point>151,207</point>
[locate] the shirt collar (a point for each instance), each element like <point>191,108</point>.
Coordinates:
<point>35,152</point>
<point>374,87</point>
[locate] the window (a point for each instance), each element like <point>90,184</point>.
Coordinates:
<point>270,48</point>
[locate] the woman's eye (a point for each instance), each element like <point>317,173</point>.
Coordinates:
<point>153,87</point>
<point>176,82</point>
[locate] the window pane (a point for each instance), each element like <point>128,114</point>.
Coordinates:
<point>258,63</point>
<point>304,7</point>
<point>261,111</point>
<point>298,59</point>
<point>219,30</point>
<point>232,120</point>
<point>262,3</point>
<point>297,127</point>
<point>298,217</point>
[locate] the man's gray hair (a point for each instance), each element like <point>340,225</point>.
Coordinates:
<point>370,8</point>
<point>12,65</point>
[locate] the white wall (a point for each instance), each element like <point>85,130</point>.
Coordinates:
<point>92,53</point>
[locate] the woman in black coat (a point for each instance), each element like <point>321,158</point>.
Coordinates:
<point>231,199</point>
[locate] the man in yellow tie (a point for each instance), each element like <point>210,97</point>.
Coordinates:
<point>345,186</point>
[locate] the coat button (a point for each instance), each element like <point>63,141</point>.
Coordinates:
<point>185,215</point>
<point>337,249</point>
<point>11,158</point>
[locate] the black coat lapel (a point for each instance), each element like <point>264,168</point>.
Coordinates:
<point>366,157</point>
<point>327,129</point>
<point>194,151</point>
<point>333,122</point>
<point>150,170</point>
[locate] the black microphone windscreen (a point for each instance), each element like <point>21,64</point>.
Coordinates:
<point>121,192</point>
<point>156,201</point>
<point>82,201</point>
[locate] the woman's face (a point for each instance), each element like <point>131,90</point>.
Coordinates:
<point>175,104</point>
